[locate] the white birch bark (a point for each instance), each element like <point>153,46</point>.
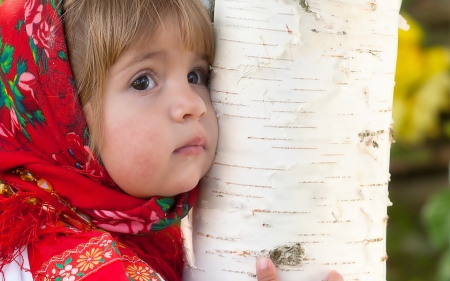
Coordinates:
<point>303,91</point>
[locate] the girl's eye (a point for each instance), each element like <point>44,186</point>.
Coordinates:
<point>194,77</point>
<point>143,83</point>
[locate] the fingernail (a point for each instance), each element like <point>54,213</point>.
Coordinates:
<point>262,263</point>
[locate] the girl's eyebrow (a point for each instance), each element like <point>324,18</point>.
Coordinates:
<point>145,56</point>
<point>205,58</point>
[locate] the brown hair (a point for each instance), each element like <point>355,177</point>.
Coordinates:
<point>98,31</point>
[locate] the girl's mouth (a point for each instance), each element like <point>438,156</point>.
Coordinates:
<point>194,146</point>
<point>190,150</point>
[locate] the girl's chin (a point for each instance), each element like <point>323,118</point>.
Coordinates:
<point>185,188</point>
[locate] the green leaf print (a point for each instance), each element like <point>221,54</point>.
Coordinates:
<point>34,51</point>
<point>160,225</point>
<point>56,4</point>
<point>21,67</point>
<point>11,96</point>
<point>2,94</point>
<point>113,246</point>
<point>39,117</point>
<point>62,55</point>
<point>80,274</point>
<point>30,119</point>
<point>6,58</point>
<point>8,101</point>
<point>58,279</point>
<point>69,260</point>
<point>165,203</point>
<point>60,266</point>
<point>25,133</point>
<point>44,61</point>
<point>19,25</point>
<point>18,97</point>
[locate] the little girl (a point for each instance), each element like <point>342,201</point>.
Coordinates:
<point>140,71</point>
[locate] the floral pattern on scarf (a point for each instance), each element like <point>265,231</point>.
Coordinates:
<point>43,129</point>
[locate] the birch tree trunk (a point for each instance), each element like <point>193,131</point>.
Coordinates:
<point>303,92</point>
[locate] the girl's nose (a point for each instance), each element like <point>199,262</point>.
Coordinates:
<point>187,104</point>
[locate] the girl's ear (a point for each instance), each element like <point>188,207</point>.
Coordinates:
<point>93,126</point>
<point>92,123</point>
<point>88,114</point>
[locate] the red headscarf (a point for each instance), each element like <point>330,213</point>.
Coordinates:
<point>43,130</point>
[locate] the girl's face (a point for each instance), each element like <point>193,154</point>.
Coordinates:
<point>159,127</point>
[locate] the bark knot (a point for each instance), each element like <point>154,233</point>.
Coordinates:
<point>291,254</point>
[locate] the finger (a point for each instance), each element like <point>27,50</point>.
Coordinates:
<point>266,270</point>
<point>335,276</point>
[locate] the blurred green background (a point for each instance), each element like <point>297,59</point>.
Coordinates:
<point>419,225</point>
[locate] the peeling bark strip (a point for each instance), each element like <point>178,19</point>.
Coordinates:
<point>303,89</point>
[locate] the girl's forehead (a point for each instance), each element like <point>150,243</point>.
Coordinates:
<point>164,47</point>
<point>173,31</point>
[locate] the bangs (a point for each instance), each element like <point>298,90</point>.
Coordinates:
<point>190,17</point>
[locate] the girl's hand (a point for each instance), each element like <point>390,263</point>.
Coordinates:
<point>266,271</point>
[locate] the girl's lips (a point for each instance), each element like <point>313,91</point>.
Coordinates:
<point>194,146</point>
<point>190,150</point>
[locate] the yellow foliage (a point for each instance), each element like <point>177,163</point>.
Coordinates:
<point>422,86</point>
